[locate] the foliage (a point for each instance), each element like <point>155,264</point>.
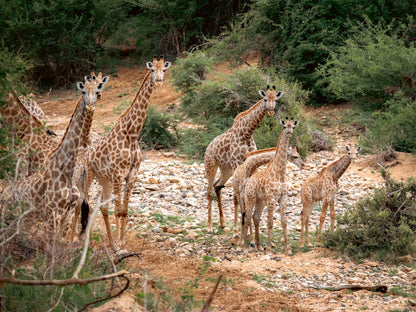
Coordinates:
<point>394,128</point>
<point>41,298</point>
<point>12,71</point>
<point>373,59</point>
<point>159,129</point>
<point>173,27</point>
<point>62,38</point>
<point>382,225</point>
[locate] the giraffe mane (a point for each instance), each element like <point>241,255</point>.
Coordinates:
<point>271,149</point>
<point>63,137</point>
<point>135,98</point>
<point>248,111</point>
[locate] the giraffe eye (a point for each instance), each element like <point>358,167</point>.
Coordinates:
<point>153,70</point>
<point>83,92</point>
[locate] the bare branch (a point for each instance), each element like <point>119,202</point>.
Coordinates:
<point>71,281</point>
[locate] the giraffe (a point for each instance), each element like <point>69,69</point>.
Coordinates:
<point>36,138</point>
<point>266,187</point>
<point>80,175</point>
<point>243,172</point>
<point>323,186</point>
<point>228,150</point>
<point>50,190</point>
<point>117,156</point>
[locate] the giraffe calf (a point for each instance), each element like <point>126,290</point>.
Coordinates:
<point>323,187</point>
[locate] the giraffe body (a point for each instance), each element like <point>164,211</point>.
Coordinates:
<point>323,187</point>
<point>243,172</point>
<point>228,150</point>
<point>266,187</point>
<point>116,157</point>
<point>50,190</point>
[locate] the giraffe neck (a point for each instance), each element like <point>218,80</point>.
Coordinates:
<point>278,164</point>
<point>258,159</point>
<point>133,118</point>
<point>86,129</point>
<point>338,167</point>
<point>65,154</point>
<point>248,121</point>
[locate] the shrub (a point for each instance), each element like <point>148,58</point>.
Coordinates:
<point>373,59</point>
<point>159,129</point>
<point>382,225</point>
<point>392,128</point>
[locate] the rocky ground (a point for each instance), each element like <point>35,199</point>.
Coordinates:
<point>180,261</point>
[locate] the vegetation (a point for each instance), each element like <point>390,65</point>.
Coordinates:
<point>382,226</point>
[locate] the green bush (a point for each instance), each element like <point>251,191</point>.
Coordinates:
<point>372,59</point>
<point>159,130</point>
<point>382,226</point>
<point>393,128</point>
<point>63,38</point>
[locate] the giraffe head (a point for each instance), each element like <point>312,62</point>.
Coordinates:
<point>289,125</point>
<point>269,99</point>
<point>158,68</point>
<point>98,79</point>
<point>352,153</point>
<point>294,157</point>
<point>90,91</point>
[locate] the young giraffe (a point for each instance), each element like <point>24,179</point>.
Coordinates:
<point>323,186</point>
<point>51,190</point>
<point>117,156</point>
<point>228,150</point>
<point>266,187</point>
<point>243,172</point>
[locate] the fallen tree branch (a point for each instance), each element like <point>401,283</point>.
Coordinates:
<point>109,297</point>
<point>211,296</point>
<point>374,288</point>
<point>127,255</point>
<point>71,281</point>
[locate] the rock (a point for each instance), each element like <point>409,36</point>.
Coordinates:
<point>405,259</point>
<point>153,180</point>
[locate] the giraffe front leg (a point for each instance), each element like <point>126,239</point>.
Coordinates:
<point>117,206</point>
<point>322,219</point>
<point>125,208</point>
<point>235,200</point>
<point>106,189</point>
<point>332,213</point>
<point>282,205</point>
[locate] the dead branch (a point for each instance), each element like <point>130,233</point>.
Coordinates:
<point>109,297</point>
<point>374,288</point>
<point>127,255</point>
<point>211,296</point>
<point>71,281</point>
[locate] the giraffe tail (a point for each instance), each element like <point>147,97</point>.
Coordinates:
<point>85,211</point>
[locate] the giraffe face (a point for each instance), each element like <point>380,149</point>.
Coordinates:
<point>294,157</point>
<point>270,98</point>
<point>353,153</point>
<point>98,79</point>
<point>90,91</point>
<point>158,68</point>
<point>289,126</point>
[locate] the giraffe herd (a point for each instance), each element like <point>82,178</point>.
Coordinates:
<point>57,176</point>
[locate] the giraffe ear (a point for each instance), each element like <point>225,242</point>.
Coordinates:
<point>358,149</point>
<point>279,94</point>
<point>105,79</point>
<point>149,65</point>
<point>347,148</point>
<point>295,123</point>
<point>262,93</point>
<point>282,122</point>
<point>100,86</point>
<point>80,86</point>
<point>167,65</point>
